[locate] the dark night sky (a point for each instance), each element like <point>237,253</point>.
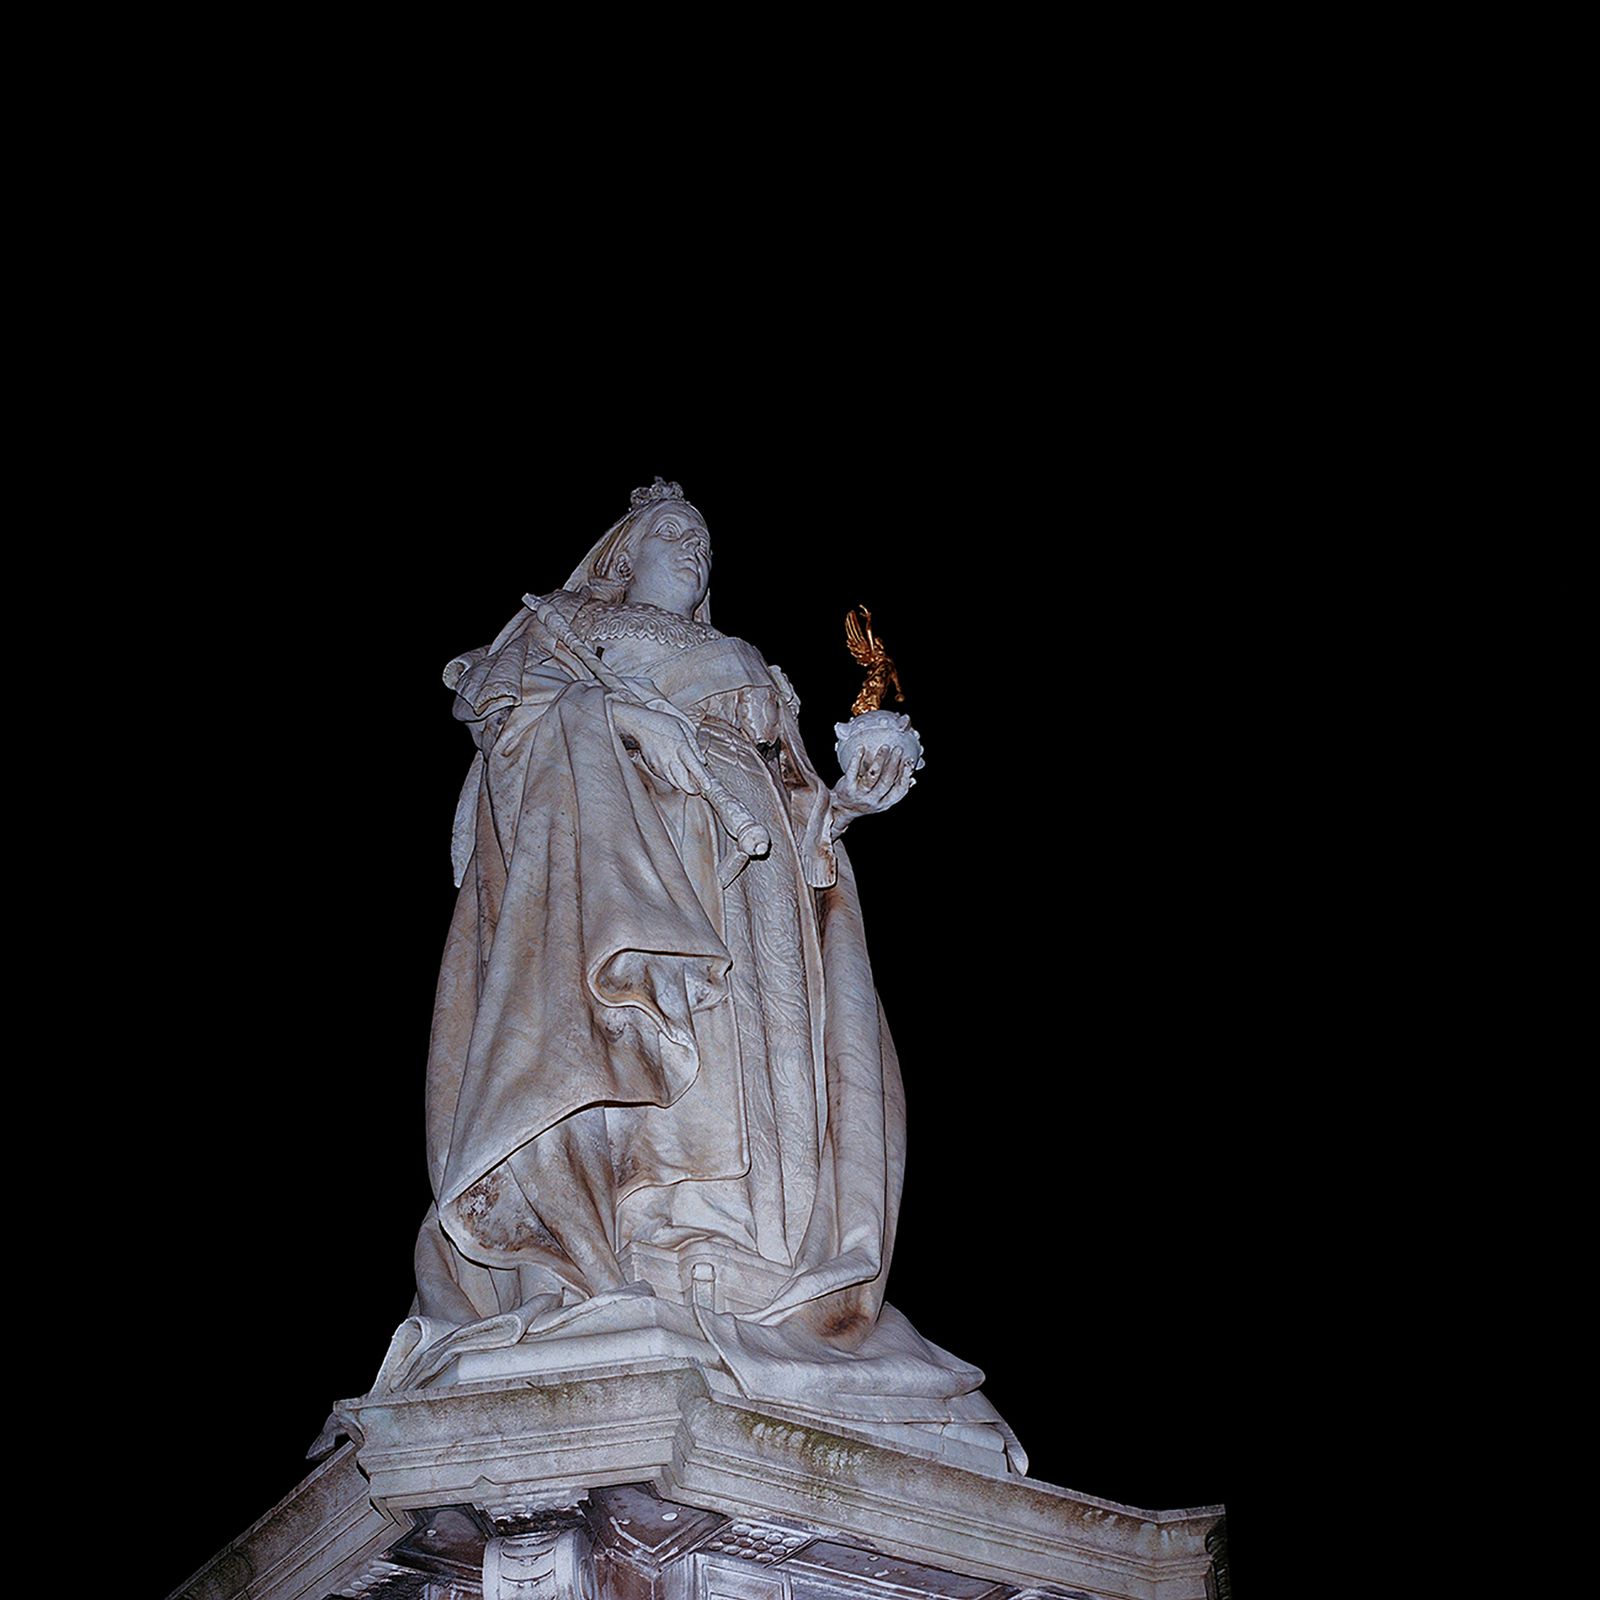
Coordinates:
<point>1070,925</point>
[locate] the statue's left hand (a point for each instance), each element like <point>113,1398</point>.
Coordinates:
<point>876,780</point>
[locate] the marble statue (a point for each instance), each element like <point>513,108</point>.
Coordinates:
<point>659,1071</point>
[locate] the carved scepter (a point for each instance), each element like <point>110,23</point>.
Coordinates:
<point>750,838</point>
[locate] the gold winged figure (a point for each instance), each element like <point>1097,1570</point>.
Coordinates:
<point>869,651</point>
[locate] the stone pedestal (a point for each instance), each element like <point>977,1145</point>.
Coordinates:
<point>636,1481</point>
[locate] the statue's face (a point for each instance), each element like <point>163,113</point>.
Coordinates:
<point>671,561</point>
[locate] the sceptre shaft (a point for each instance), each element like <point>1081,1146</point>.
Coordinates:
<point>750,838</point>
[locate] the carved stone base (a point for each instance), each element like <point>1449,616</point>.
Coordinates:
<point>649,1333</point>
<point>637,1482</point>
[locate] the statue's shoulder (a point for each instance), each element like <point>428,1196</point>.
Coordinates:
<point>567,602</point>
<point>486,677</point>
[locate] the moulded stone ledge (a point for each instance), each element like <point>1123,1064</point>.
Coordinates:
<point>491,1459</point>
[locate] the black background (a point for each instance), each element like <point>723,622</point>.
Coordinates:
<point>1073,917</point>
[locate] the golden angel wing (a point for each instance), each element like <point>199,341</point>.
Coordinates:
<point>866,649</point>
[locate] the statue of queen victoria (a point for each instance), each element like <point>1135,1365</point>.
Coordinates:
<point>659,1078</point>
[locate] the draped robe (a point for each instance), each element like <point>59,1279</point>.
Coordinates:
<point>646,1058</point>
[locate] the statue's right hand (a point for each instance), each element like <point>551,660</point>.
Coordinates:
<point>663,744</point>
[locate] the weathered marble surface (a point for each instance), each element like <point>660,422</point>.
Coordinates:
<point>637,1482</point>
<point>659,1066</point>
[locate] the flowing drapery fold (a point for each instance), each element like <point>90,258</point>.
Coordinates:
<point>647,1053</point>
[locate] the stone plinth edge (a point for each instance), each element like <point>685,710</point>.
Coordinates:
<point>322,1532</point>
<point>659,1422</point>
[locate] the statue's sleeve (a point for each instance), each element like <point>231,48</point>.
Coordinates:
<point>501,692</point>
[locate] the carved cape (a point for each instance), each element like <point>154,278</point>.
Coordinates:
<point>637,1064</point>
